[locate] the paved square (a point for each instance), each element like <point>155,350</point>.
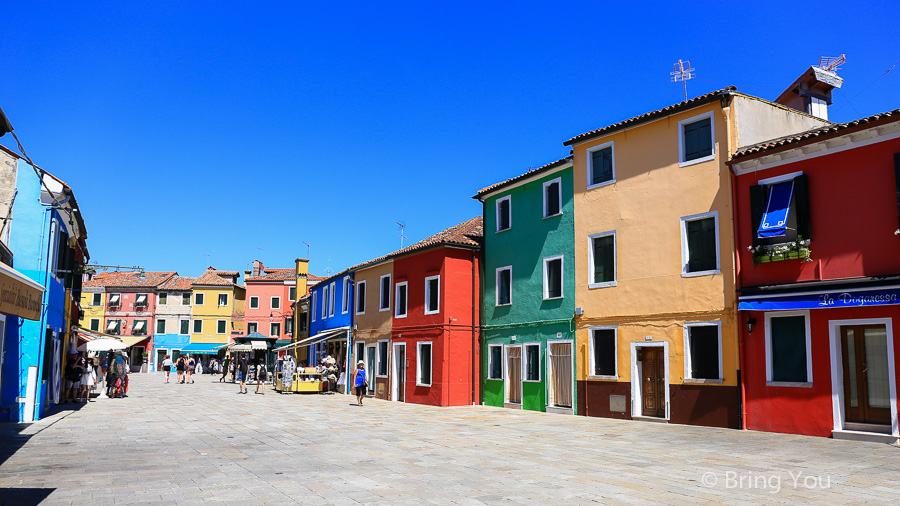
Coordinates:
<point>191,444</point>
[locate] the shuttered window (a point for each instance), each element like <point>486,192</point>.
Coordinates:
<point>552,198</point>
<point>504,220</point>
<point>702,250</point>
<point>504,286</point>
<point>697,139</point>
<point>603,259</point>
<point>601,169</point>
<point>553,282</point>
<point>788,349</point>
<point>703,351</point>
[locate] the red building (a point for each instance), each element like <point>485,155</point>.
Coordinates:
<point>818,267</point>
<point>270,296</point>
<point>434,335</point>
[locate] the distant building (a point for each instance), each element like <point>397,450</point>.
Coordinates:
<point>172,328</point>
<point>217,310</point>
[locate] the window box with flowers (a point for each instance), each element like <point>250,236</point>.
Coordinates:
<point>796,250</point>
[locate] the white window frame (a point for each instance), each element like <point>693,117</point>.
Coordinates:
<point>544,193</point>
<point>428,294</point>
<point>685,252</point>
<point>94,296</point>
<point>294,290</point>
<point>419,362</point>
<point>331,299</point>
<point>591,364</point>
<point>361,305</point>
<point>345,297</point>
<point>381,302</point>
<point>497,214</point>
<point>146,303</point>
<point>159,299</point>
<point>497,286</point>
<point>712,136</point>
<point>201,296</point>
<point>255,327</point>
<point>405,285</point>
<point>809,372</point>
<point>189,326</point>
<point>272,302</point>
<point>525,347</point>
<point>163,321</point>
<point>218,322</point>
<point>325,302</point>
<point>382,359</point>
<point>219,297</point>
<point>189,297</point>
<point>562,280</point>
<point>687,352</point>
<point>254,302</point>
<point>112,295</point>
<point>91,324</point>
<point>589,160</point>
<point>313,307</point>
<point>271,326</point>
<point>502,360</point>
<point>604,284</point>
<point>118,326</point>
<point>194,326</point>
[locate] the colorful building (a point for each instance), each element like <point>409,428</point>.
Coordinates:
<point>271,294</point>
<point>816,220</point>
<point>331,315</point>
<point>529,291</point>
<point>217,310</point>
<point>172,327</point>
<point>657,335</point>
<point>373,318</point>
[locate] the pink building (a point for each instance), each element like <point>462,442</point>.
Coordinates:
<point>270,293</point>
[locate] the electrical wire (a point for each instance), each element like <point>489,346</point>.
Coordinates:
<point>868,86</point>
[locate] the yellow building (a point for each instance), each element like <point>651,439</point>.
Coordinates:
<point>301,307</point>
<point>656,332</point>
<point>93,300</point>
<point>217,307</point>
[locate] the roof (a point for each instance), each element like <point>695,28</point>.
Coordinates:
<point>533,172</point>
<point>313,277</point>
<point>467,234</point>
<point>213,277</point>
<point>814,135</point>
<point>177,283</point>
<point>274,275</point>
<point>652,115</point>
<point>129,279</point>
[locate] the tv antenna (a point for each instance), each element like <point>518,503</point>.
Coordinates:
<point>400,233</point>
<point>682,72</point>
<point>831,63</point>
<point>307,249</point>
<point>207,259</point>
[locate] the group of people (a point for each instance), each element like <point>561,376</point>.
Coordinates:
<point>185,367</point>
<point>82,375</point>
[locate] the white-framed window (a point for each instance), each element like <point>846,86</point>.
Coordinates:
<point>198,326</point>
<point>696,140</point>
<point>400,295</point>
<point>95,324</point>
<point>324,302</point>
<point>382,359</point>
<point>252,327</point>
<point>384,297</point>
<point>185,327</point>
<point>601,165</point>
<point>345,297</point>
<point>140,300</point>
<point>604,352</point>
<point>423,361</point>
<point>700,245</point>
<point>331,299</point>
<point>703,352</point>
<point>163,299</point>
<point>532,362</point>
<point>115,300</point>
<point>221,326</point>
<point>553,198</point>
<point>139,328</point>
<point>186,299</point>
<point>504,213</point>
<point>553,277</point>
<point>198,299</point>
<point>495,361</point>
<point>312,311</point>
<point>292,293</point>
<point>275,303</point>
<point>97,299</point>
<point>223,299</point>
<point>114,327</point>
<point>433,294</point>
<point>504,286</point>
<point>254,302</point>
<point>602,259</point>
<point>788,349</point>
<point>360,297</point>
<point>289,325</point>
<point>274,329</point>
<point>160,326</point>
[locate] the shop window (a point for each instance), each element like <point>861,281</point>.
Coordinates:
<point>604,352</point>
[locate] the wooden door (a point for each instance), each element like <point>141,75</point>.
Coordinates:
<point>401,373</point>
<point>653,382</point>
<point>866,389</point>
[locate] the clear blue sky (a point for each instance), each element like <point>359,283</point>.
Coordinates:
<point>192,128</point>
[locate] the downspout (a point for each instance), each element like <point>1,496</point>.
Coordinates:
<point>742,401</point>
<point>475,300</point>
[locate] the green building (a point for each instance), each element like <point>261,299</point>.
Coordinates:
<point>528,333</point>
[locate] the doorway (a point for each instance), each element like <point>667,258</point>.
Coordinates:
<point>653,382</point>
<point>370,368</point>
<point>513,384</point>
<point>160,357</point>
<point>867,397</point>
<point>399,372</point>
<point>561,378</point>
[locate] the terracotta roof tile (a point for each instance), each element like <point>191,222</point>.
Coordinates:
<point>178,284</point>
<point>532,172</point>
<point>212,277</point>
<point>129,279</point>
<point>468,233</point>
<point>274,275</point>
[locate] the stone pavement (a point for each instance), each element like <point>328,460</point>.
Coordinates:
<point>205,443</point>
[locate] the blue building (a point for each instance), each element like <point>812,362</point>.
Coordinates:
<point>46,238</point>
<point>330,320</point>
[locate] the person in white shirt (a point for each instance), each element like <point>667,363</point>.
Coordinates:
<point>167,366</point>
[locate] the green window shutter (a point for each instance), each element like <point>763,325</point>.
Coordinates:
<point>789,349</point>
<point>697,139</point>
<point>701,239</point>
<point>604,259</point>
<point>704,351</point>
<point>604,352</point>
<point>757,208</point>
<point>601,166</point>
<point>801,201</point>
<point>553,199</point>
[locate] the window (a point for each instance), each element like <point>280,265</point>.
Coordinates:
<point>140,300</point>
<point>700,244</point>
<point>603,353</point>
<point>289,325</point>
<point>140,328</point>
<point>602,260</point>
<point>432,294</point>
<point>533,362</point>
<point>186,299</point>
<point>696,140</point>
<point>198,326</point>
<point>384,303</point>
<point>504,213</point>
<point>252,327</point>
<point>254,302</point>
<point>495,361</point>
<point>95,324</point>
<point>223,299</point>
<point>345,296</point>
<point>160,326</point>
<point>324,302</point>
<point>703,355</point>
<point>274,329</point>
<point>313,307</point>
<point>331,299</point>
<point>504,286</point>
<point>292,293</point>
<point>98,299</point>
<point>163,298</point>
<point>301,323</point>
<point>275,303</point>
<point>601,165</point>
<point>113,327</point>
<point>115,300</point>
<point>553,277</point>
<point>779,210</point>
<point>788,348</point>
<point>198,299</point>
<point>400,297</point>
<point>553,198</point>
<point>221,326</point>
<point>382,358</point>
<point>423,357</point>
<point>185,327</point>
<point>360,297</point>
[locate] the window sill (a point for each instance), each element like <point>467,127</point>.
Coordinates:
<point>433,312</point>
<point>503,305</point>
<point>557,215</point>
<point>554,298</point>
<point>504,230</point>
<point>495,379</point>
<point>695,161</point>
<point>399,316</point>
<point>700,273</point>
<point>423,385</point>
<point>604,378</point>
<point>359,314</point>
<point>600,185</point>
<point>531,381</point>
<point>383,309</point>
<point>381,375</point>
<point>704,381</point>
<point>788,384</point>
<point>605,284</point>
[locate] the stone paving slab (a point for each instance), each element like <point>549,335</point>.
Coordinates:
<point>206,444</point>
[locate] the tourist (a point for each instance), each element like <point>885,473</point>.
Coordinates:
<point>261,377</point>
<point>191,365</point>
<point>74,370</point>
<point>167,366</point>
<point>226,362</point>
<point>243,371</point>
<point>179,367</point>
<point>88,380</point>
<point>361,383</point>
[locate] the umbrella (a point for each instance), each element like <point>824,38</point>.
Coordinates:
<point>102,345</point>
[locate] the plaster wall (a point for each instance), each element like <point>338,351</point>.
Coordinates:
<point>8,173</point>
<point>91,311</point>
<point>756,121</point>
<point>210,312</point>
<point>339,318</point>
<point>264,315</point>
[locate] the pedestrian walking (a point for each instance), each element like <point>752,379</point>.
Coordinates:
<point>261,375</point>
<point>167,366</point>
<point>73,376</point>
<point>244,371</point>
<point>362,384</point>
<point>179,368</point>
<point>88,380</point>
<point>191,365</point>
<point>226,362</point>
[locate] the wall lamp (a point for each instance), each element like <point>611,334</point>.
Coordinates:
<point>751,324</point>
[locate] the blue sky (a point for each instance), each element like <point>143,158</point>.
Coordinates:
<point>241,130</point>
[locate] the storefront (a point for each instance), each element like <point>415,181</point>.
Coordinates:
<point>20,298</point>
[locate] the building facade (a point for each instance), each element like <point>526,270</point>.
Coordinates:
<point>372,317</point>
<point>172,325</point>
<point>217,309</point>
<point>330,320</point>
<point>270,298</point>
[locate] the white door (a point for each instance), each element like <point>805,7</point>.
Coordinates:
<point>398,376</point>
<point>560,381</point>
<point>514,374</point>
<point>370,368</point>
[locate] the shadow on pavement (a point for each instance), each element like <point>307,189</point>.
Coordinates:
<point>23,496</point>
<point>11,439</point>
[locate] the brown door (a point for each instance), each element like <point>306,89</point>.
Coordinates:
<point>653,381</point>
<point>867,397</point>
<point>401,373</point>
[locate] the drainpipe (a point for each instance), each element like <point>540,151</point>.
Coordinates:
<point>475,300</point>
<point>742,400</point>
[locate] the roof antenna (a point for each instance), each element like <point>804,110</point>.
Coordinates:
<point>207,259</point>
<point>402,226</point>
<point>831,63</point>
<point>307,249</point>
<point>682,72</point>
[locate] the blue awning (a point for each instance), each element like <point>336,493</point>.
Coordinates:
<point>203,348</point>
<point>889,295</point>
<point>774,220</point>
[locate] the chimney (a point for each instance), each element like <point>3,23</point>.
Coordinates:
<point>246,274</point>
<point>811,92</point>
<point>257,268</point>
